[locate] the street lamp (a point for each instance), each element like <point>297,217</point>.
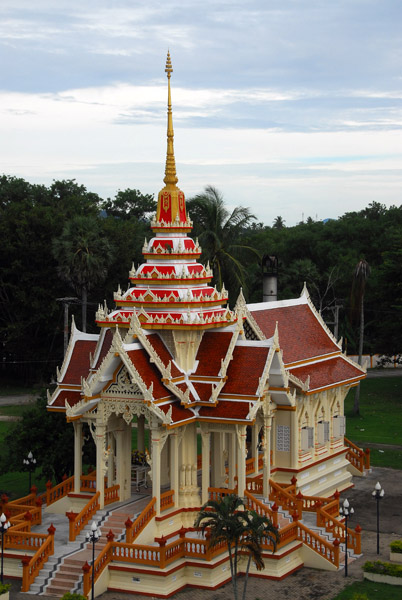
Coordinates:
<point>347,512</point>
<point>93,537</point>
<point>4,525</point>
<point>30,464</point>
<point>378,493</point>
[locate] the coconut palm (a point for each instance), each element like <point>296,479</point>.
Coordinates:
<point>225,520</point>
<point>260,530</point>
<point>243,530</point>
<point>361,274</point>
<point>83,256</point>
<point>219,233</point>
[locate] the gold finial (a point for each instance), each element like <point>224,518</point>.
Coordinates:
<point>169,68</point>
<point>170,168</point>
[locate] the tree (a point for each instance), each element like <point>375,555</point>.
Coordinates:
<point>361,274</point>
<point>228,520</point>
<point>219,233</point>
<point>279,223</point>
<point>259,529</point>
<point>130,204</point>
<point>83,256</point>
<point>44,433</point>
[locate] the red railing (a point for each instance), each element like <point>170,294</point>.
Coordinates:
<point>78,522</point>
<point>112,495</point>
<point>359,458</point>
<point>134,529</point>
<point>167,500</point>
<point>32,565</point>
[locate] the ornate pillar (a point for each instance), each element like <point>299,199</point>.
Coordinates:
<point>111,459</point>
<point>77,456</point>
<point>205,471</point>
<point>241,459</point>
<point>266,473</point>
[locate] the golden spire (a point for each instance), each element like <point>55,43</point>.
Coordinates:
<point>170,168</point>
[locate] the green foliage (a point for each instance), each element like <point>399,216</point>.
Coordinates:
<point>44,433</point>
<point>369,589</point>
<point>228,520</point>
<point>130,204</point>
<point>4,588</point>
<point>383,568</point>
<point>396,546</point>
<point>73,596</point>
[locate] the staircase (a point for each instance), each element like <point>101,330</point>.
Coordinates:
<point>63,571</point>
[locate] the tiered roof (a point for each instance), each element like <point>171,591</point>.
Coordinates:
<point>171,290</point>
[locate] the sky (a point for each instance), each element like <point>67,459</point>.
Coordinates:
<point>288,107</point>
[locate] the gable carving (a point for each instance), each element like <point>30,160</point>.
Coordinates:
<point>123,385</point>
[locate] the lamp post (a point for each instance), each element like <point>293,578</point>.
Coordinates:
<point>4,525</point>
<point>378,493</point>
<point>347,511</point>
<point>30,464</point>
<point>93,537</point>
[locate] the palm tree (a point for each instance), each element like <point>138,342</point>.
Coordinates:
<point>259,529</point>
<point>225,520</point>
<point>279,223</point>
<point>83,256</point>
<point>361,274</point>
<point>219,233</point>
<point>244,530</point>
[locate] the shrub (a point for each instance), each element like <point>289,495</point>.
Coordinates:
<point>4,588</point>
<point>70,596</point>
<point>383,568</point>
<point>396,546</point>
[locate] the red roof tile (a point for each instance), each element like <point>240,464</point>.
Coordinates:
<point>163,353</point>
<point>328,372</point>
<point>107,342</point>
<point>148,372</point>
<point>71,396</point>
<point>226,409</point>
<point>301,335</point>
<point>245,369</point>
<point>79,362</point>
<point>204,390</point>
<point>179,413</point>
<point>213,348</point>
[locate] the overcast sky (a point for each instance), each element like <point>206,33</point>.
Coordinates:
<point>289,107</point>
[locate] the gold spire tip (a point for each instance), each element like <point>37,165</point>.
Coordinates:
<point>169,68</point>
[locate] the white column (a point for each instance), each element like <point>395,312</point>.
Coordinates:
<point>141,433</point>
<point>111,460</point>
<point>174,465</point>
<point>100,435</point>
<point>206,438</point>
<point>241,459</point>
<point>254,446</point>
<point>77,456</point>
<point>294,440</point>
<point>156,467</point>
<point>232,459</point>
<point>266,473</point>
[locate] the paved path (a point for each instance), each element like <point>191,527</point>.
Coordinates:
<point>311,584</point>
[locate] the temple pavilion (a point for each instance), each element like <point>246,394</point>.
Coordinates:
<point>250,399</point>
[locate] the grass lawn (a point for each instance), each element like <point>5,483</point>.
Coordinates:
<point>373,591</point>
<point>16,410</point>
<point>380,418</point>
